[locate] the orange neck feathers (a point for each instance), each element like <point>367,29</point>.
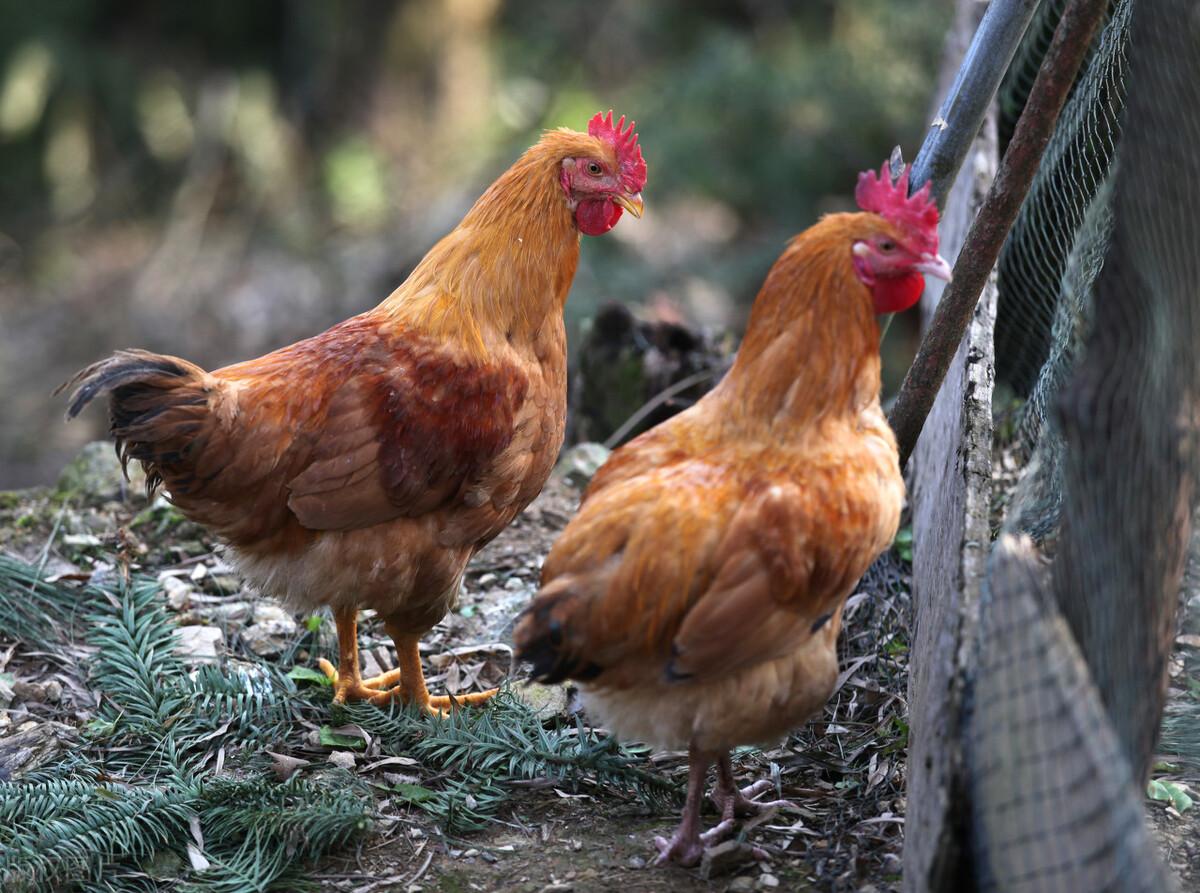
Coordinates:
<point>812,342</point>
<point>509,264</point>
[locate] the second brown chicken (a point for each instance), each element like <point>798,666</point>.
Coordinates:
<point>697,596</point>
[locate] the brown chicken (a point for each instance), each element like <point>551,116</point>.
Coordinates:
<point>363,467</point>
<point>697,596</point>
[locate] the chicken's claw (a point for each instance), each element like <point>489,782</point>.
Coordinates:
<point>453,702</point>
<point>384,688</point>
<point>350,689</point>
<point>684,849</point>
<point>743,803</point>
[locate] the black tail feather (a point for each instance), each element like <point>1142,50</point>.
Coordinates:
<point>122,368</point>
<point>142,387</point>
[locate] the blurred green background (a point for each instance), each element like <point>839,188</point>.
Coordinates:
<point>218,179</point>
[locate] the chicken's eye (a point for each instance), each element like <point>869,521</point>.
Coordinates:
<point>594,168</point>
<point>887,245</point>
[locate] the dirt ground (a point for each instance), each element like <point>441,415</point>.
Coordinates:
<point>843,772</point>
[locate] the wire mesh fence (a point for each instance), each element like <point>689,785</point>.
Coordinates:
<point>1097,326</point>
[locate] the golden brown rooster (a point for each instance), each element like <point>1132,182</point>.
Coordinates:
<point>697,596</point>
<point>362,468</point>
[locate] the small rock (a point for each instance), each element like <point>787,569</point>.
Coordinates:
<point>544,700</point>
<point>80,540</point>
<point>272,630</point>
<point>178,592</point>
<point>95,475</point>
<point>742,884</point>
<point>487,579</point>
<point>725,858</point>
<point>892,864</point>
<point>370,664</point>
<point>269,612</point>
<point>767,882</point>
<point>581,462</point>
<point>230,613</point>
<point>513,584</point>
<point>343,759</point>
<point>637,862</point>
<point>200,644</point>
<point>38,692</point>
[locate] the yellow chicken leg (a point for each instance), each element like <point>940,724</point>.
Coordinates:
<point>412,678</point>
<point>346,678</point>
<point>406,683</point>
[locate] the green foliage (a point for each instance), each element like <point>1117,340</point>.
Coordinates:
<point>157,727</point>
<point>58,830</point>
<point>487,751</point>
<point>155,707</point>
<point>329,738</point>
<point>1181,724</point>
<point>308,674</point>
<point>30,608</point>
<point>1170,792</point>
<point>130,799</point>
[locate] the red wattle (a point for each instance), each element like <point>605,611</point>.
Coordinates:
<point>893,294</point>
<point>596,217</point>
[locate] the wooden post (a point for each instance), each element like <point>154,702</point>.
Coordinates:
<point>950,486</point>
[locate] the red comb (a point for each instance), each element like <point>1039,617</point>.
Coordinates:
<point>916,213</point>
<point>624,142</point>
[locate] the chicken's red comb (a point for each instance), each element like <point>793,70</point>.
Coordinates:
<point>624,142</point>
<point>916,213</point>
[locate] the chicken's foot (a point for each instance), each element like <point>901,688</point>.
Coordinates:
<point>347,681</point>
<point>732,801</point>
<point>406,683</point>
<point>687,845</point>
<point>412,678</point>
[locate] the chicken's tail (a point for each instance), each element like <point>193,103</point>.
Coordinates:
<point>158,408</point>
<point>547,634</point>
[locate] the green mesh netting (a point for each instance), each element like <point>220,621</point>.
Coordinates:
<point>1076,162</point>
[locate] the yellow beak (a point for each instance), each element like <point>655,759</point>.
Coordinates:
<point>631,203</point>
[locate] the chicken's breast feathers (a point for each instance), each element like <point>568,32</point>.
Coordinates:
<point>701,567</point>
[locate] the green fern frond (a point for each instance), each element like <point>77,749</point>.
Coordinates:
<point>70,830</point>
<point>32,610</point>
<point>488,749</point>
<point>307,816</point>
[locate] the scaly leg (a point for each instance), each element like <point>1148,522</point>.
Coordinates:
<point>412,677</point>
<point>687,844</point>
<point>346,679</point>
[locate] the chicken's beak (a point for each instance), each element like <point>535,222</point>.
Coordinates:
<point>631,203</point>
<point>933,265</point>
